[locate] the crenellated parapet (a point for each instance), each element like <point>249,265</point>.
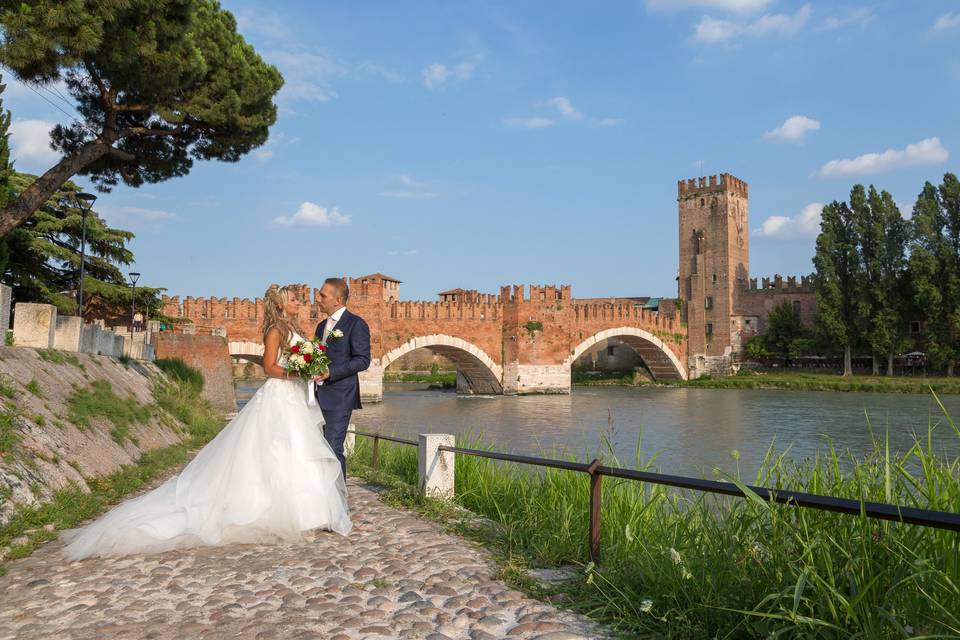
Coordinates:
<point>779,284</point>
<point>704,184</point>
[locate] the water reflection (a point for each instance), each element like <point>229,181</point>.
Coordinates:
<point>693,429</point>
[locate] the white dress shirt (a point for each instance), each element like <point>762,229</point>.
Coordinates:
<point>331,322</point>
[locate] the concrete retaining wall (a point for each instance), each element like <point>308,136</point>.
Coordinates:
<point>34,325</point>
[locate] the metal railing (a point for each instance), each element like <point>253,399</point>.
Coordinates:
<point>596,471</point>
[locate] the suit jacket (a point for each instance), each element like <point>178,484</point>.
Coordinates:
<point>349,355</point>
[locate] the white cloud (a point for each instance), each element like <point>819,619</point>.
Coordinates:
<point>529,123</point>
<point>30,142</point>
<point>946,22</point>
<point>715,31</point>
<point>732,6</point>
<point>606,122</point>
<point>374,69</point>
<point>565,108</point>
<point>409,195</point>
<point>805,224</point>
<point>306,76</point>
<point>275,142</point>
<point>132,215</point>
<point>263,154</point>
<point>793,129</point>
<point>906,210</point>
<point>266,23</point>
<point>928,151</point>
<point>313,215</point>
<point>408,252</point>
<point>857,18</point>
<point>437,76</point>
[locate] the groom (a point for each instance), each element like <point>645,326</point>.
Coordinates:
<point>347,337</point>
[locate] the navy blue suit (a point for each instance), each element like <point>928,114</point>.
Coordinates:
<point>339,394</point>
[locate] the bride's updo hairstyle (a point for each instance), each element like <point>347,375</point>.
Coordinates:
<point>275,312</point>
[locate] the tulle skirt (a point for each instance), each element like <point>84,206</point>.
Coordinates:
<point>268,476</point>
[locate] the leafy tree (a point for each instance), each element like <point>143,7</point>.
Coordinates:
<point>5,169</point>
<point>157,85</point>
<point>786,336</point>
<point>43,259</point>
<point>882,237</point>
<point>835,282</point>
<point>935,269</point>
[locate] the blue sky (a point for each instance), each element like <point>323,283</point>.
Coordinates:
<point>483,143</point>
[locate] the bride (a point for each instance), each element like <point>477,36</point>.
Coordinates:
<point>268,476</point>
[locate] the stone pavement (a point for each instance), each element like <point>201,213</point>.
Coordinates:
<point>395,576</point>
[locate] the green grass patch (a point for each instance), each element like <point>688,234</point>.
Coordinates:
<point>8,432</point>
<point>7,390</point>
<point>34,388</point>
<point>70,507</point>
<point>680,564</point>
<point>99,401</point>
<point>606,378</point>
<point>59,357</point>
<point>826,382</point>
<point>438,379</point>
<point>178,370</point>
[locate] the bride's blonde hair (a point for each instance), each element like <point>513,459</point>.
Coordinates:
<point>275,312</point>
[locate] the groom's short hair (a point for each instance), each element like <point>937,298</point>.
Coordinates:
<point>339,285</point>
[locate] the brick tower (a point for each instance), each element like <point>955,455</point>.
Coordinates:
<point>714,259</point>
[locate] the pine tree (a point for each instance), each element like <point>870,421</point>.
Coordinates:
<point>835,282</point>
<point>934,269</point>
<point>157,86</point>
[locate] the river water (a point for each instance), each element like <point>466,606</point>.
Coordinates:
<point>692,430</point>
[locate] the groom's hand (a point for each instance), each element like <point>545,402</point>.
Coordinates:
<point>322,376</point>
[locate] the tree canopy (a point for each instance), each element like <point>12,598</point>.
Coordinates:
<point>157,86</point>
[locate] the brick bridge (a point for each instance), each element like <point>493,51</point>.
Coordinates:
<point>523,340</point>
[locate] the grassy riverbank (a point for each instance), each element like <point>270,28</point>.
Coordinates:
<point>788,380</point>
<point>678,564</point>
<point>71,506</point>
<point>438,380</point>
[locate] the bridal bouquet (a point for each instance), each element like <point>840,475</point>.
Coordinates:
<point>308,358</point>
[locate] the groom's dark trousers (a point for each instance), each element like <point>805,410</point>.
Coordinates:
<point>339,394</point>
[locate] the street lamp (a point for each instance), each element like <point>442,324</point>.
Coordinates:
<point>82,198</point>
<point>134,276</point>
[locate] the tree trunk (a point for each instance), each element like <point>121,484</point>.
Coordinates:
<point>890,364</point>
<point>34,196</point>
<point>876,365</point>
<point>847,361</point>
<point>950,369</point>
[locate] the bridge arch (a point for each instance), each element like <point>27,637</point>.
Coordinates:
<point>249,351</point>
<point>659,358</point>
<point>476,367</point>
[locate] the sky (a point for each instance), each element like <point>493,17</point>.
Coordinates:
<point>482,143</point>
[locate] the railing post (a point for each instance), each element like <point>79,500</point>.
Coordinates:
<point>375,463</point>
<point>595,500</point>
<point>350,441</point>
<point>435,468</point>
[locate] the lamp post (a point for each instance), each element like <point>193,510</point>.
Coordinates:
<point>134,276</point>
<point>82,198</point>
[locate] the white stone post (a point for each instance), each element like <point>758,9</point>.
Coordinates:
<point>435,467</point>
<point>34,325</point>
<point>67,334</point>
<point>6,297</point>
<point>350,441</point>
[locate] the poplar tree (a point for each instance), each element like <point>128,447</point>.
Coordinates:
<point>934,269</point>
<point>836,279</point>
<point>882,235</point>
<point>157,85</point>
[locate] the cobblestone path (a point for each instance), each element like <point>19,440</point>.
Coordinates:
<point>395,576</point>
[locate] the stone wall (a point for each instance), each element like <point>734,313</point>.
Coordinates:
<point>208,354</point>
<point>48,450</point>
<point>34,325</point>
<point>68,332</point>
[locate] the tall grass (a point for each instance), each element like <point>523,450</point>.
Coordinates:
<point>682,564</point>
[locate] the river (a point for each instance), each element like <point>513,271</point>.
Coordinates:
<point>693,430</point>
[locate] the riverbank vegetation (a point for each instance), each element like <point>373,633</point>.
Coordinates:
<point>179,397</point>
<point>678,564</point>
<point>435,378</point>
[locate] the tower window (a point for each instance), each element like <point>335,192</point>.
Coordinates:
<point>714,278</point>
<point>709,304</point>
<point>709,328</point>
<point>702,202</point>
<point>796,307</point>
<point>914,326</point>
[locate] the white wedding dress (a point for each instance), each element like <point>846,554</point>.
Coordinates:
<point>268,476</point>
